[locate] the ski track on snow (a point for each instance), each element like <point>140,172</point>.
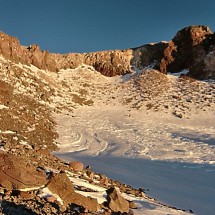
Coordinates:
<point>115,132</point>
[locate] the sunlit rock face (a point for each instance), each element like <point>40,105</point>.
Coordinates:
<point>192,48</point>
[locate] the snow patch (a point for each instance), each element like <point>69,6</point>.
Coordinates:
<point>8,132</point>
<point>3,107</point>
<point>178,74</point>
<point>47,193</point>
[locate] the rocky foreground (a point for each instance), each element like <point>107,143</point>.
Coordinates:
<point>35,84</point>
<point>34,189</point>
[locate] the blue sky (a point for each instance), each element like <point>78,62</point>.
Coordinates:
<point>89,25</point>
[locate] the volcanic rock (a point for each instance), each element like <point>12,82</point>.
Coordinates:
<point>104,181</point>
<point>51,199</point>
<point>192,48</point>
<point>204,62</point>
<point>90,174</point>
<point>17,173</point>
<point>76,166</point>
<point>109,63</point>
<point>61,185</point>
<point>132,205</point>
<point>116,202</point>
<point>188,45</point>
<point>26,195</point>
<point>148,56</point>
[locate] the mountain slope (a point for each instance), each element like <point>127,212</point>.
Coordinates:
<point>104,107</point>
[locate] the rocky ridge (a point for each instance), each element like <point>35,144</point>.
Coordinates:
<point>192,48</point>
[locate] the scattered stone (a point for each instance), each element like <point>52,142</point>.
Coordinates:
<point>26,195</point>
<point>76,166</point>
<point>132,205</point>
<point>43,152</point>
<point>51,199</point>
<point>104,181</point>
<point>61,185</point>
<point>116,202</point>
<point>179,115</point>
<point>91,175</point>
<point>7,192</point>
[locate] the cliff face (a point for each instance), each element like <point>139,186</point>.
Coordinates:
<point>189,47</point>
<point>109,63</point>
<point>192,48</point>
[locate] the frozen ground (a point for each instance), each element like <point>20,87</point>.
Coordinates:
<point>173,158</point>
<point>146,129</point>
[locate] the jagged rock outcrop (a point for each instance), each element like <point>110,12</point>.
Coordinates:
<point>192,48</point>
<point>186,48</point>
<point>109,63</point>
<point>203,66</point>
<point>149,55</point>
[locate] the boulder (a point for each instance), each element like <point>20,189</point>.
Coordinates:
<point>132,205</point>
<point>51,199</point>
<point>61,185</point>
<point>17,173</point>
<point>91,175</point>
<point>26,195</point>
<point>104,181</point>
<point>116,202</point>
<point>76,166</point>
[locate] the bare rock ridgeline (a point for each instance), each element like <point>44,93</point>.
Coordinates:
<point>109,63</point>
<point>192,48</point>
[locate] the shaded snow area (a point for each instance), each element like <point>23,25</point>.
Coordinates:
<point>183,72</point>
